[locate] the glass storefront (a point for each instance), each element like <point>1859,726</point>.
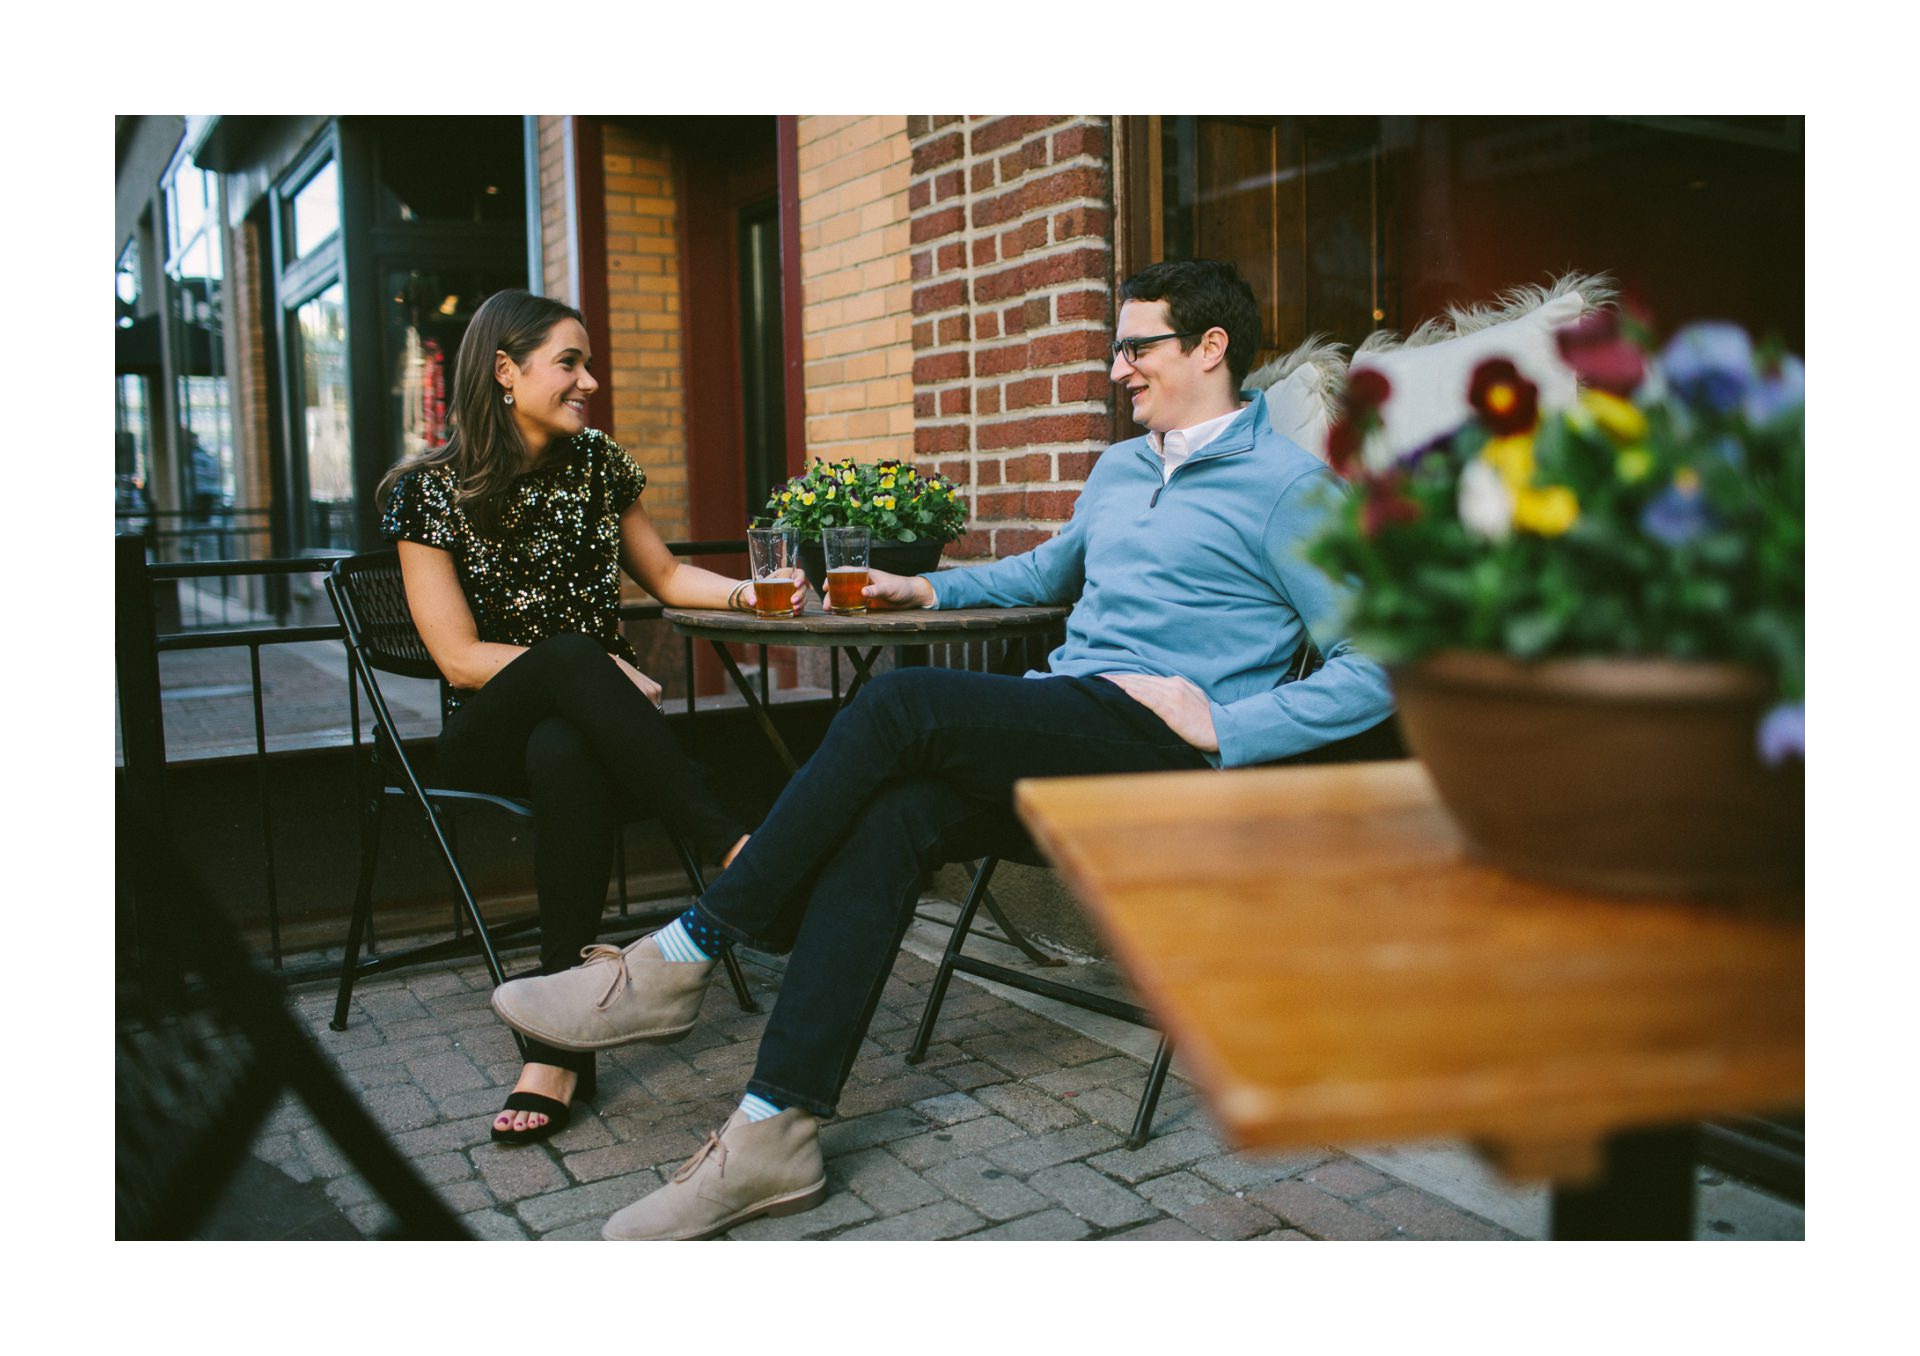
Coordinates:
<point>427,313</point>
<point>324,421</point>
<point>202,441</point>
<point>1347,225</point>
<point>315,212</point>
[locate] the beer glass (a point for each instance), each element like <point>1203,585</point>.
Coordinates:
<point>846,552</point>
<point>774,555</point>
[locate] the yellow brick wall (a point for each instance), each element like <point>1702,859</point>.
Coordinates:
<point>643,320</point>
<point>556,249</point>
<point>857,321</point>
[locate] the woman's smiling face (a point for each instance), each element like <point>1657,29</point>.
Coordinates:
<point>550,392</point>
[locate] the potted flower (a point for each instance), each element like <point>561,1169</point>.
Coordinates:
<point>911,514</point>
<point>1595,616</point>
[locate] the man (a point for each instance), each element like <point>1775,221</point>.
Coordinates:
<point>1190,605</point>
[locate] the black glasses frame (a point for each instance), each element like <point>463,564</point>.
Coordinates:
<point>1132,347</point>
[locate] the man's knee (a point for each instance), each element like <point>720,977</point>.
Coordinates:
<point>913,695</point>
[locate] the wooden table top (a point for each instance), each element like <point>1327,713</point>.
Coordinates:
<point>904,626</point>
<point>1337,970</point>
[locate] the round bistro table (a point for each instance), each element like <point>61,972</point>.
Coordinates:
<point>862,637</point>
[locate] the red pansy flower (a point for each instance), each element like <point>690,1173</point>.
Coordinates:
<point>1600,355</point>
<point>1506,401</point>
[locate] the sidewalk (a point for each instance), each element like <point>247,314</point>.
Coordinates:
<point>1013,1127</point>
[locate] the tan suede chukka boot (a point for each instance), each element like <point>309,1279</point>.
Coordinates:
<point>611,998</point>
<point>748,1169</point>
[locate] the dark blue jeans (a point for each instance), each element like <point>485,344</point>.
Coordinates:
<point>917,771</point>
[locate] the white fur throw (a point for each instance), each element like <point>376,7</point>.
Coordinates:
<point>1303,391</point>
<point>1430,371</point>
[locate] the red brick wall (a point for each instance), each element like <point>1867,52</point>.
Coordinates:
<point>1012,267</point>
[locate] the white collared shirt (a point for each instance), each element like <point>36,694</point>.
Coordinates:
<point>1181,443</point>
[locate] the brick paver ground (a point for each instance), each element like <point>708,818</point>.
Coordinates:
<point>1013,1127</point>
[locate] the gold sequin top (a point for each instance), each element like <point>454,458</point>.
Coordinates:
<point>555,564</point>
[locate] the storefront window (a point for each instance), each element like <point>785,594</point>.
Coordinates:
<point>324,421</point>
<point>132,433</point>
<point>315,211</point>
<point>202,439</point>
<point>1347,225</point>
<point>427,313</point>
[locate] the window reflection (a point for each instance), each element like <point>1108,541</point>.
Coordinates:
<point>321,323</point>
<point>1347,225</point>
<point>201,450</point>
<point>316,210</point>
<point>427,313</point>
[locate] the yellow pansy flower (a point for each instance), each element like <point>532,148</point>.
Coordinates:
<point>1546,512</point>
<point>1634,464</point>
<point>1621,421</point>
<point>886,482</point>
<point>831,490</point>
<point>807,498</point>
<point>1512,457</point>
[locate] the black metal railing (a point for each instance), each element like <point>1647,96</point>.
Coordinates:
<point>140,640</point>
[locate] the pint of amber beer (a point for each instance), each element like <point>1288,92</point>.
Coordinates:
<point>846,551</point>
<point>774,555</point>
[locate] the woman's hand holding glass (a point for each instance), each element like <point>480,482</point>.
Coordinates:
<point>750,600</point>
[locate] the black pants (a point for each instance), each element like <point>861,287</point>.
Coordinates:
<point>565,727</point>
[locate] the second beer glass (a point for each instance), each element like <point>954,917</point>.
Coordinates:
<point>846,551</point>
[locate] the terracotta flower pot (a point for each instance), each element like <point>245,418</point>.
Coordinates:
<point>1630,776</point>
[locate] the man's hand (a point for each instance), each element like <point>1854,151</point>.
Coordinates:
<point>1183,706</point>
<point>648,688</point>
<point>897,590</point>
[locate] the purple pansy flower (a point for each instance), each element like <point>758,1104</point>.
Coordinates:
<point>1710,365</point>
<point>1781,387</point>
<point>1676,515</point>
<point>1783,734</point>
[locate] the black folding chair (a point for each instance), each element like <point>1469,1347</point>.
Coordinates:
<point>1378,743</point>
<point>370,599</point>
<point>204,1047</point>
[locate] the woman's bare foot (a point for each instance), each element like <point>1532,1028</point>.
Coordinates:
<point>548,1080</point>
<point>733,852</point>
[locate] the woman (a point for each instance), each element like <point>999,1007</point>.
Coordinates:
<point>511,539</point>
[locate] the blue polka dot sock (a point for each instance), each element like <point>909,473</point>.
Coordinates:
<point>686,938</point>
<point>757,1108</point>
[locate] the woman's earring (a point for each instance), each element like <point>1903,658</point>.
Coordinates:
<point>507,398</point>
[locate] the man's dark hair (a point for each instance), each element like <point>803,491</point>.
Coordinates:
<point>1202,293</point>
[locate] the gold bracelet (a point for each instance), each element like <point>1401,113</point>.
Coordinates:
<point>733,599</point>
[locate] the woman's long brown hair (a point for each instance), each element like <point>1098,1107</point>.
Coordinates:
<point>483,446</point>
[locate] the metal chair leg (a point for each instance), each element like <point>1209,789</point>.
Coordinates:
<point>1150,1097</point>
<point>371,816</point>
<point>943,975</point>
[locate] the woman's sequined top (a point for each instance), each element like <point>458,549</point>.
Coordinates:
<point>554,565</point>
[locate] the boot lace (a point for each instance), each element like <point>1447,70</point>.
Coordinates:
<point>601,952</point>
<point>714,1147</point>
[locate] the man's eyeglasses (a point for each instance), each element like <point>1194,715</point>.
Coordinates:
<point>1132,347</point>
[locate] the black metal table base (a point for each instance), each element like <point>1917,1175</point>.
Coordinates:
<point>1645,1190</point>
